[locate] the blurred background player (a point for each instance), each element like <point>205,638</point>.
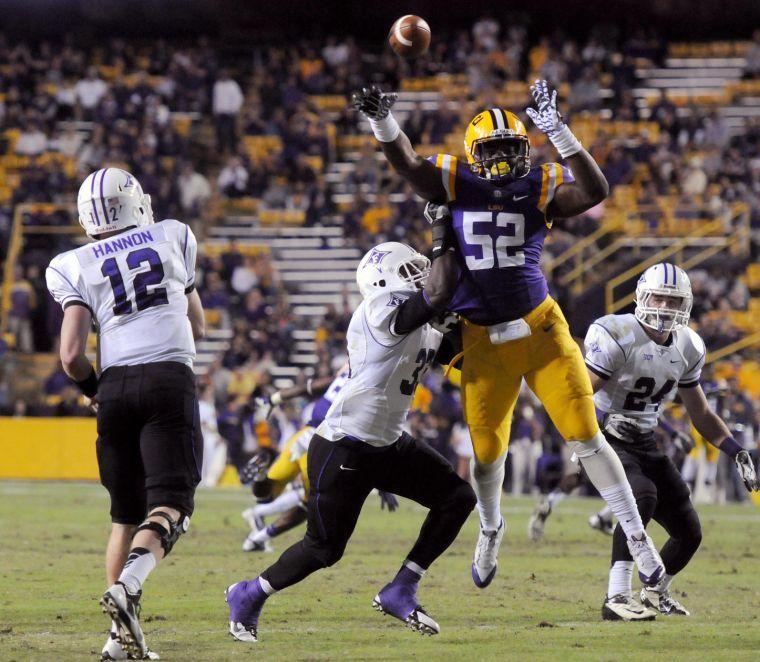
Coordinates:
<point>289,467</point>
<point>502,209</point>
<point>136,283</point>
<point>361,444</point>
<point>638,363</point>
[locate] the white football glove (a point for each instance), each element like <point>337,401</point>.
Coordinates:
<point>262,408</point>
<point>434,212</point>
<point>746,470</point>
<point>547,118</point>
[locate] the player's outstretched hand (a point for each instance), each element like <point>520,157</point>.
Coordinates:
<point>746,470</point>
<point>684,442</point>
<point>436,213</point>
<point>388,500</point>
<point>372,102</point>
<point>92,403</point>
<point>262,408</point>
<point>545,116</point>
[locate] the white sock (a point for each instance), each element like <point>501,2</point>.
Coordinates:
<point>620,578</point>
<point>139,565</point>
<point>285,501</point>
<point>605,471</point>
<point>605,513</point>
<point>262,535</point>
<point>266,586</point>
<point>487,481</point>
<point>415,568</point>
<point>689,468</point>
<point>664,584</point>
<point>555,496</point>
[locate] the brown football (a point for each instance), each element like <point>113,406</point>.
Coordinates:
<point>409,36</point>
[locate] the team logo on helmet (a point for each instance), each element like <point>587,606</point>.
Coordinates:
<point>376,257</point>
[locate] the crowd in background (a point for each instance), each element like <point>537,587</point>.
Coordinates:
<point>176,116</point>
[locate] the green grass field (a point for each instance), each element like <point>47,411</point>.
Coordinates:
<point>544,603</point>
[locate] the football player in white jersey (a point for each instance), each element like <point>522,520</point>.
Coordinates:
<point>135,283</point>
<point>361,444</point>
<point>638,363</point>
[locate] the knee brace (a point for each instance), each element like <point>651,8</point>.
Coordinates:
<point>167,538</point>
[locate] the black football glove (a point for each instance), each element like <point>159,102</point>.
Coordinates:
<point>372,102</point>
<point>746,470</point>
<point>388,500</point>
<point>439,217</point>
<point>256,468</point>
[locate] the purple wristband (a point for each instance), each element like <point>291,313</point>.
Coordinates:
<point>730,447</point>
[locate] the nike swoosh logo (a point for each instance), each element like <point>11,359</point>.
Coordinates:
<point>676,361</point>
<point>348,468</point>
<point>548,328</point>
<point>519,197</point>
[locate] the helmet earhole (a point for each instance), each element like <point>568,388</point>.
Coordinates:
<point>381,283</point>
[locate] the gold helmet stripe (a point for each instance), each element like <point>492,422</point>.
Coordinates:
<point>511,124</point>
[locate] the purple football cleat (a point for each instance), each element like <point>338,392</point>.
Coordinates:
<point>246,600</point>
<point>399,599</point>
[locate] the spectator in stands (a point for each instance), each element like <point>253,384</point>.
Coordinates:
<point>585,93</point>
<point>233,179</point>
<point>694,179</point>
<point>194,191</point>
<point>244,277</point>
<point>23,302</point>
<point>88,93</point>
<point>617,168</point>
<point>752,57</point>
<point>32,141</point>
<point>227,100</point>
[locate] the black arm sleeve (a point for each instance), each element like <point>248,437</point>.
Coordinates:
<point>451,345</point>
<point>413,313</point>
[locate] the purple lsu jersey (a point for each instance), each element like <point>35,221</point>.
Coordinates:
<point>319,410</point>
<point>500,231</point>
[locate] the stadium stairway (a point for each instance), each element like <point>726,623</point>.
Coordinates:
<point>317,268</point>
<point>713,80</point>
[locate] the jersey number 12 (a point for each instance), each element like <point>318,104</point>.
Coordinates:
<point>143,298</point>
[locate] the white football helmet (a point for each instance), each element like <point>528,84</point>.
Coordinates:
<point>663,279</point>
<point>391,267</point>
<point>112,199</point>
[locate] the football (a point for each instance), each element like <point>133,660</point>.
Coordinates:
<point>410,36</point>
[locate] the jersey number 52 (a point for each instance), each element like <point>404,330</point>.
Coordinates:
<point>144,298</point>
<point>498,247</point>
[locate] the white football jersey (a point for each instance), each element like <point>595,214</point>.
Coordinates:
<point>385,368</point>
<point>639,375</point>
<point>135,284</point>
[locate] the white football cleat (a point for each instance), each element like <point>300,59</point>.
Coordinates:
<point>538,519</point>
<point>623,607</point>
<point>251,545</point>
<point>112,650</point>
<point>486,555</point>
<point>603,524</point>
<point>648,561</point>
<point>256,522</point>
<point>122,608</point>
<point>661,601</point>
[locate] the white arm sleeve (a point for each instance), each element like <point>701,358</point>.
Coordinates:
<point>604,354</point>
